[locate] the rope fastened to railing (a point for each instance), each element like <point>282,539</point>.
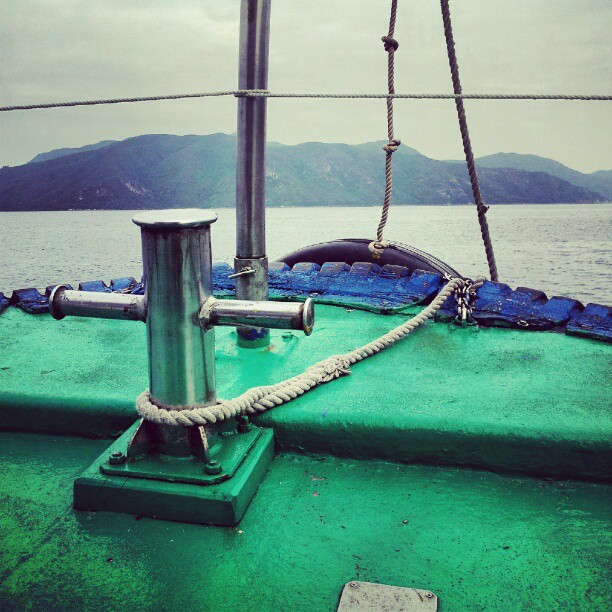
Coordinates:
<point>391,45</point>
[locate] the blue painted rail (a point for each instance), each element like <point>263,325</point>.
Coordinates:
<point>384,290</point>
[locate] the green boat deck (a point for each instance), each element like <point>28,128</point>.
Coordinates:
<point>493,398</point>
<point>478,540</point>
<point>467,462</point>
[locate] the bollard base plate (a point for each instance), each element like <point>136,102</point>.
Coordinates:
<point>212,504</point>
<point>227,451</point>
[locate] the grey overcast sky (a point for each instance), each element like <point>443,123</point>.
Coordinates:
<point>54,50</point>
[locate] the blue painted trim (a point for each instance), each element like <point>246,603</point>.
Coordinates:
<point>124,284</point>
<point>499,306</point>
<point>30,301</point>
<point>595,322</point>
<point>386,290</point>
<point>97,286</point>
<point>4,303</point>
<point>49,289</point>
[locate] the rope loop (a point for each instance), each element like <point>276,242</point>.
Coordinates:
<point>474,285</point>
<point>377,248</point>
<point>392,146</point>
<point>251,93</point>
<point>390,43</point>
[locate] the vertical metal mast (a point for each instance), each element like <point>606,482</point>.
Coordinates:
<point>251,262</point>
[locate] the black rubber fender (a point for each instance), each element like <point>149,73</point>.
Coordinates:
<point>352,250</point>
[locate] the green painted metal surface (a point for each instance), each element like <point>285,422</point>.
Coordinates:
<point>494,398</point>
<point>223,503</point>
<point>480,541</point>
<point>227,449</point>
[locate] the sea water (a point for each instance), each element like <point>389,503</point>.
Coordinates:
<point>560,249</point>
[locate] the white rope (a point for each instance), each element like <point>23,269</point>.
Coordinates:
<point>260,399</point>
<point>259,93</point>
<point>377,247</point>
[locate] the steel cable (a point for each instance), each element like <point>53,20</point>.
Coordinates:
<point>256,93</point>
<point>467,143</point>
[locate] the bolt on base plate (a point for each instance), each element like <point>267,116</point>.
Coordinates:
<point>227,454</point>
<point>223,503</point>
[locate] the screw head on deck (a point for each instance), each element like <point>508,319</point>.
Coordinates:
<point>243,423</point>
<point>117,458</point>
<point>213,467</point>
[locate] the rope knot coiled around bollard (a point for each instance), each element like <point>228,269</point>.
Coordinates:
<point>184,416</point>
<point>392,146</point>
<point>390,43</point>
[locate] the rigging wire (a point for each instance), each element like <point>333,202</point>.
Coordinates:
<point>481,207</point>
<point>391,45</point>
<point>258,93</point>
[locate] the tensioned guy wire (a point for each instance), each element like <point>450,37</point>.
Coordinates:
<point>257,93</point>
<point>481,207</point>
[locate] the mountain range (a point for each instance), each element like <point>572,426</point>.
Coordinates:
<point>167,171</point>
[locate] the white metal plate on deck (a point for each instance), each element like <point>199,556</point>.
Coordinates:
<point>370,597</point>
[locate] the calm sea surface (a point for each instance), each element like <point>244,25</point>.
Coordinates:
<point>561,249</point>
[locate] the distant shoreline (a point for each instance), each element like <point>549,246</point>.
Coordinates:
<point>276,206</point>
<point>162,171</point>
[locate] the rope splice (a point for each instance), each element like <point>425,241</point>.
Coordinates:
<point>378,246</point>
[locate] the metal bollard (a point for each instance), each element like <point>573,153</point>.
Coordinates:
<point>180,314</point>
<point>176,257</point>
